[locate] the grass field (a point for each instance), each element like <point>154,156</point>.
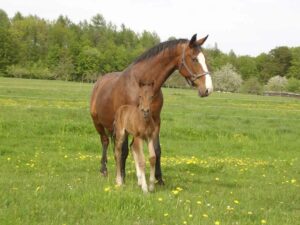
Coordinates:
<point>227,159</point>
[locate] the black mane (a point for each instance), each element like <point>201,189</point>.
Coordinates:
<point>159,48</point>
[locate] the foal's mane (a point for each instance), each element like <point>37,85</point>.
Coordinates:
<point>159,48</point>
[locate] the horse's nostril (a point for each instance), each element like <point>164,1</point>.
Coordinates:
<point>206,92</point>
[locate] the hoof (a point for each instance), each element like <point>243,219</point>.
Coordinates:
<point>151,187</point>
<point>160,182</point>
<point>104,173</point>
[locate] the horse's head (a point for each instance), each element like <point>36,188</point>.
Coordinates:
<point>146,93</point>
<point>193,68</point>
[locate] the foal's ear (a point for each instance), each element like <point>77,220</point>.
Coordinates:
<point>201,41</point>
<point>193,41</point>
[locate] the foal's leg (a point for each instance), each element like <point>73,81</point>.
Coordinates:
<point>118,151</point>
<point>152,159</point>
<point>124,155</point>
<point>137,147</point>
<point>136,162</point>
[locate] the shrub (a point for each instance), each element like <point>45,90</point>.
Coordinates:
<point>227,79</point>
<point>293,85</point>
<point>252,86</point>
<point>33,72</point>
<point>277,83</point>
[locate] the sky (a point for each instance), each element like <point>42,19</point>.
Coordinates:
<point>248,27</point>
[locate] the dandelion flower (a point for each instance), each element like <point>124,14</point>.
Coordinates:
<point>293,181</point>
<point>217,222</point>
<point>179,189</point>
<point>217,178</point>
<point>184,222</point>
<point>66,156</point>
<point>236,202</point>
<point>205,215</point>
<point>190,215</point>
<point>250,213</point>
<point>263,221</point>
<point>107,189</point>
<point>8,159</point>
<point>199,202</point>
<point>166,214</point>
<point>175,192</point>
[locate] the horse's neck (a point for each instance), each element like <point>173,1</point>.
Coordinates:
<point>156,69</point>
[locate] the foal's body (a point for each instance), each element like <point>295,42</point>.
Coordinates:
<point>137,121</point>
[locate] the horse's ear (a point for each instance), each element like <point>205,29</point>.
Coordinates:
<point>202,40</point>
<point>193,40</point>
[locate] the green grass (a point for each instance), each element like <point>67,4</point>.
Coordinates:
<point>228,158</point>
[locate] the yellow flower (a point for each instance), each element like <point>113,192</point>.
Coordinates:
<point>217,222</point>
<point>184,222</point>
<point>293,181</point>
<point>175,192</point>
<point>236,202</point>
<point>263,221</point>
<point>160,199</point>
<point>166,214</point>
<point>8,159</point>
<point>107,189</point>
<point>190,215</point>
<point>179,189</point>
<point>217,178</point>
<point>66,156</point>
<point>250,213</point>
<point>205,215</point>
<point>38,188</point>
<point>199,202</point>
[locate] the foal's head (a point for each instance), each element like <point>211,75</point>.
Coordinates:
<point>146,94</point>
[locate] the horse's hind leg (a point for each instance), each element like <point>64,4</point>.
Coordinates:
<point>105,142</point>
<point>124,156</point>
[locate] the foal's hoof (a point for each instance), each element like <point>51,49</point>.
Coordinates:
<point>160,182</point>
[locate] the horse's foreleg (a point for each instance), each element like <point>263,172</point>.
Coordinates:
<point>124,156</point>
<point>156,143</point>
<point>152,159</point>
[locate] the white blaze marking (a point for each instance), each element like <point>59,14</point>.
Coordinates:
<point>208,81</point>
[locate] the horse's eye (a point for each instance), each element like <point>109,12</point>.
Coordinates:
<point>195,60</point>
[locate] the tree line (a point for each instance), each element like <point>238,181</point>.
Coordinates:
<point>32,47</point>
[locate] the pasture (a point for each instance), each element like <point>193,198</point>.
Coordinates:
<point>226,159</point>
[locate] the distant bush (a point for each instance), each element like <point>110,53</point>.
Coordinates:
<point>277,83</point>
<point>34,72</point>
<point>227,79</point>
<point>252,86</point>
<point>293,85</point>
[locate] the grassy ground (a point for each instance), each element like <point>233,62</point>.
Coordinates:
<point>227,159</point>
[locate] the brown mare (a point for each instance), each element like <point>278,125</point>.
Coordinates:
<point>136,121</point>
<point>122,88</point>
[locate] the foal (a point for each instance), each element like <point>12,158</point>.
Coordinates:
<point>137,121</point>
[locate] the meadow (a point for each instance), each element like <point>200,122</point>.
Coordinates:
<point>226,159</point>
